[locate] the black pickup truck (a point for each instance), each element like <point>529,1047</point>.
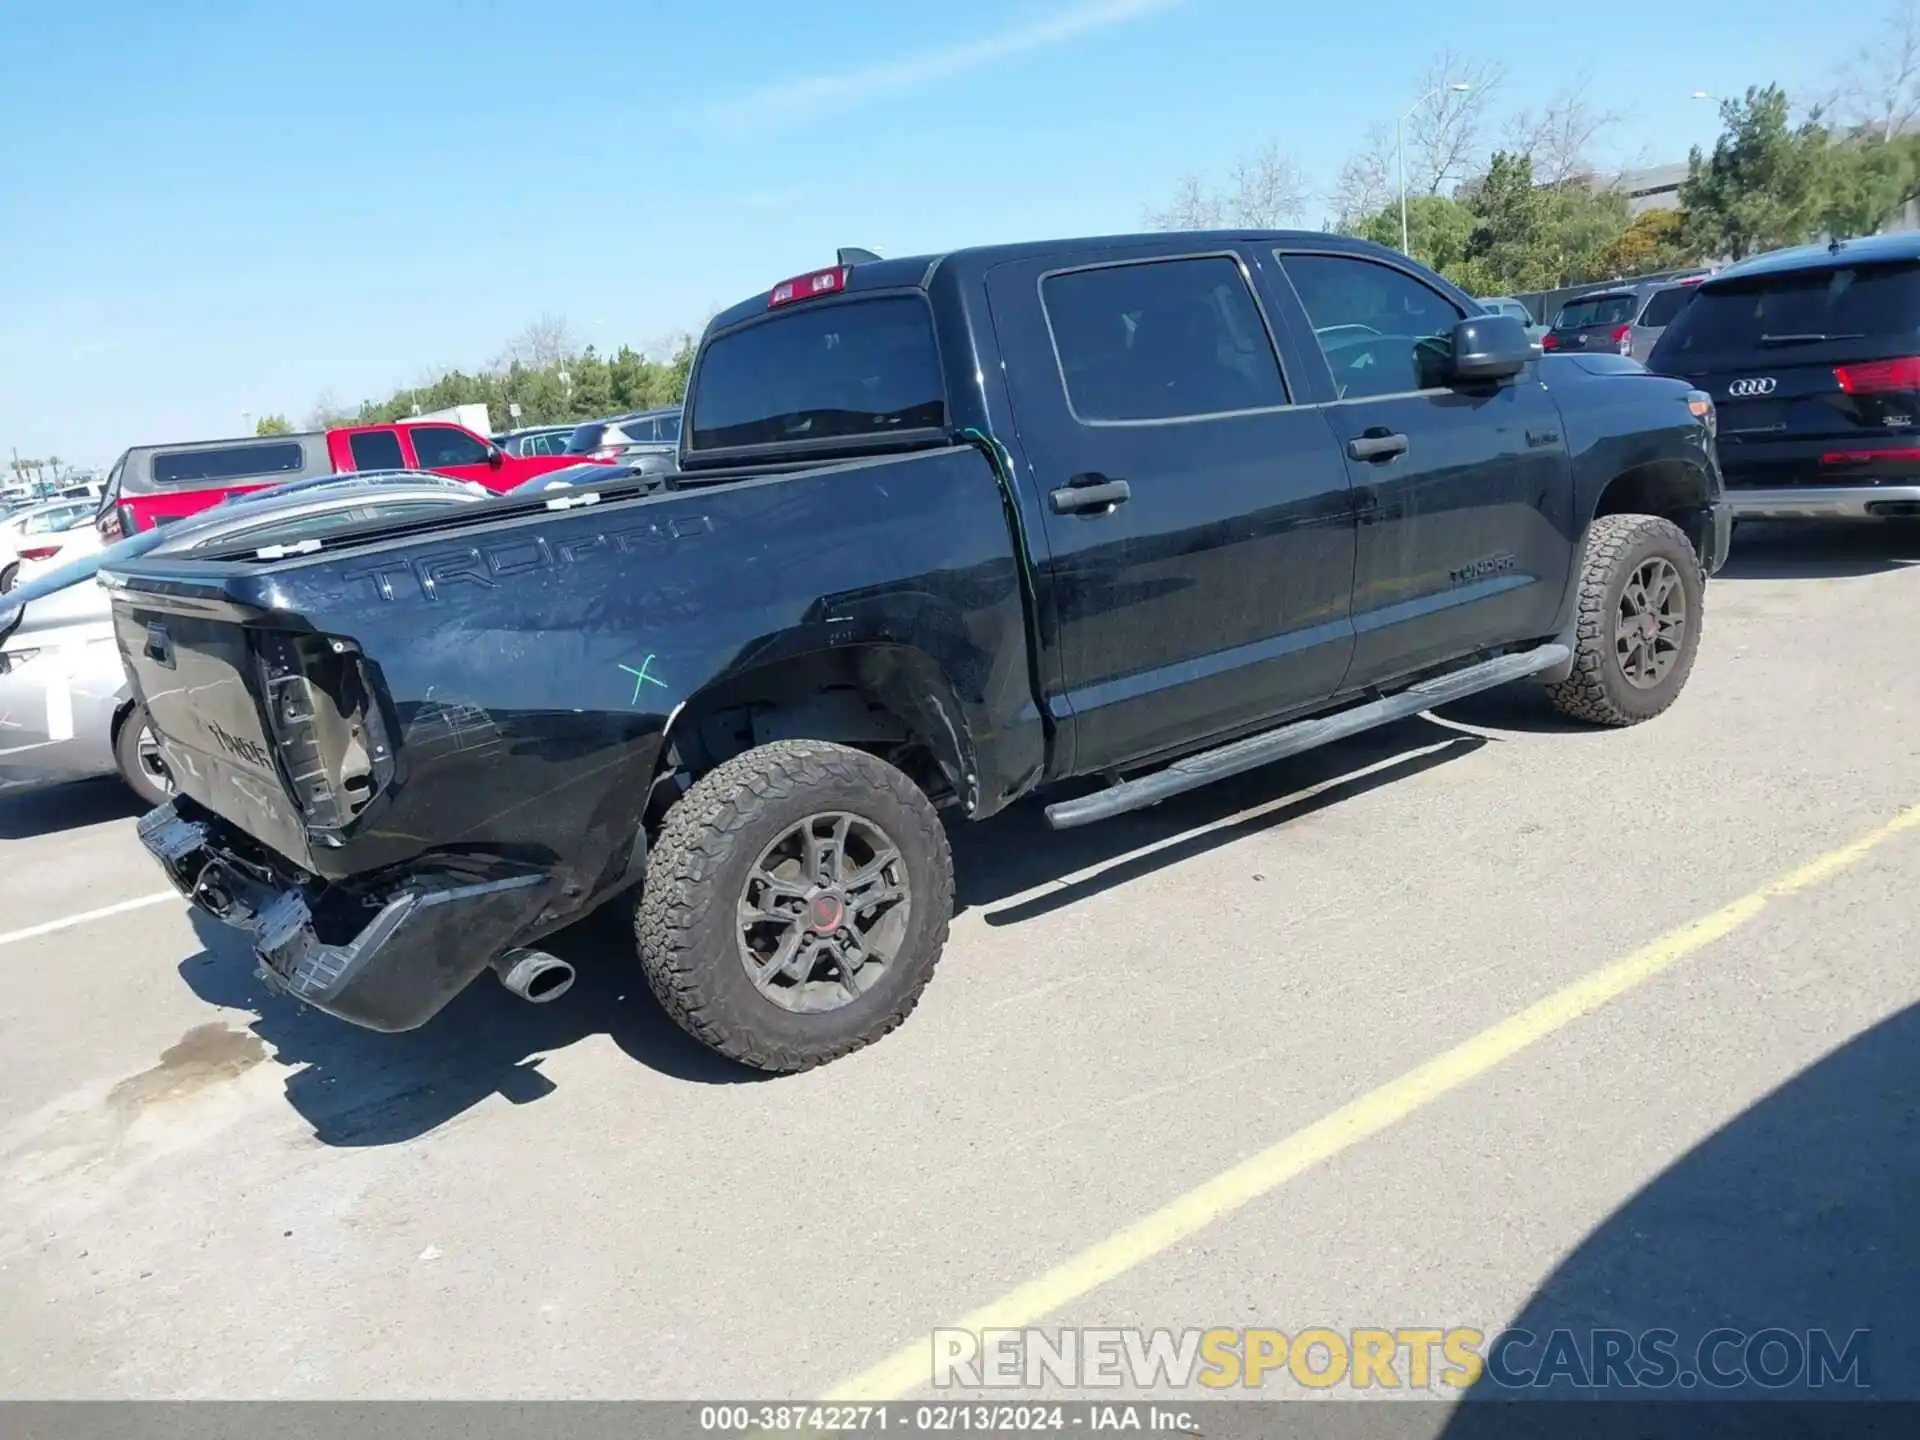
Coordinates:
<point>1153,510</point>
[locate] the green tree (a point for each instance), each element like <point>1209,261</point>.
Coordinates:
<point>1580,223</point>
<point>1866,182</point>
<point>563,386</point>
<point>674,383</point>
<point>1507,251</point>
<point>1766,183</point>
<point>590,386</point>
<point>1655,241</point>
<point>273,425</point>
<point>1437,229</point>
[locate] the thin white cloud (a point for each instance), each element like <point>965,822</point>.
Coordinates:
<point>847,89</point>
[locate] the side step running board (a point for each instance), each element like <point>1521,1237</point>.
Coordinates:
<point>1257,750</point>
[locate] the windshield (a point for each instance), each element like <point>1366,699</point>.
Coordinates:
<point>1877,302</point>
<point>1595,310</point>
<point>839,371</point>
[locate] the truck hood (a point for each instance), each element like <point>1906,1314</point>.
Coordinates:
<point>1604,362</point>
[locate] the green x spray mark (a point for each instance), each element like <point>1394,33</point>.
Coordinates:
<point>643,678</point>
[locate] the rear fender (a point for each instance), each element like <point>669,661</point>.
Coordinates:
<point>874,695</point>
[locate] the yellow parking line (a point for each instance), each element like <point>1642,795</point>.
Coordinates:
<point>910,1368</point>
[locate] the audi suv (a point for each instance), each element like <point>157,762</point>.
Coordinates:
<point>1812,357</point>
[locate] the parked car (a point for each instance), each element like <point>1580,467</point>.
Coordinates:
<point>1508,305</point>
<point>40,536</point>
<point>157,484</point>
<point>63,686</point>
<point>657,462</point>
<point>1628,320</point>
<point>536,440</point>
<point>606,439</point>
<point>1813,357</point>
<point>944,531</point>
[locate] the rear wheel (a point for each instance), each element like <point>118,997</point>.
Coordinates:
<point>137,754</point>
<point>796,902</point>
<point>1637,627</point>
<point>9,577</point>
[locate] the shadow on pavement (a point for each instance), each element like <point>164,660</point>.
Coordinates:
<point>1801,1215</point>
<point>1819,550</point>
<point>1521,708</point>
<point>26,812</point>
<point>358,1087</point>
<point>1016,851</point>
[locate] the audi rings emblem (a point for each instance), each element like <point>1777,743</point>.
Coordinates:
<point>1747,389</point>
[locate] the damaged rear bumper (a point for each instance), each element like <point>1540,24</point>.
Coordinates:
<point>424,941</point>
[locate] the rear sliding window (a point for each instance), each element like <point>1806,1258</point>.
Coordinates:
<point>227,462</point>
<point>849,370</point>
<point>1806,307</point>
<point>1595,310</point>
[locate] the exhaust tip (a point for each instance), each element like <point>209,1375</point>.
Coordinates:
<point>534,975</point>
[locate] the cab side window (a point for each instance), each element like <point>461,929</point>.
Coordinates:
<point>1383,331</point>
<point>376,450</point>
<point>441,446</point>
<point>1160,340</point>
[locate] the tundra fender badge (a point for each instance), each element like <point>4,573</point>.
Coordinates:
<point>1480,569</point>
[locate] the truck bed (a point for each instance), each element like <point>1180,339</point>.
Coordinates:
<point>352,710</point>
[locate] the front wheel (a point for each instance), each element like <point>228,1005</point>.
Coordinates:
<point>1637,626</point>
<point>796,901</point>
<point>138,756</point>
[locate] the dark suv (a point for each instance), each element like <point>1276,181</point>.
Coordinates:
<point>1812,357</point>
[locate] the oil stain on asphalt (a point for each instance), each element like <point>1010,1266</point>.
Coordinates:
<point>204,1056</point>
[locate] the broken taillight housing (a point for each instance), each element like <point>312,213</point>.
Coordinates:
<point>326,724</point>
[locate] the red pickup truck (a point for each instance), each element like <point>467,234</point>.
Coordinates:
<point>152,484</point>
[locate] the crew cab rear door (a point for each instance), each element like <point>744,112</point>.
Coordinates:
<point>1200,525</point>
<point>1464,495</point>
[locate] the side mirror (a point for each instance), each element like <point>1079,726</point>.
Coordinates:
<point>1489,347</point>
<point>496,457</point>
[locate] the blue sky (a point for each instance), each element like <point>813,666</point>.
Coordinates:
<point>227,207</point>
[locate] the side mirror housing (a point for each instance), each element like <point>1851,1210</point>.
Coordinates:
<point>1487,348</point>
<point>496,457</point>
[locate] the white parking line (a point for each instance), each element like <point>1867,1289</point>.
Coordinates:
<point>33,932</point>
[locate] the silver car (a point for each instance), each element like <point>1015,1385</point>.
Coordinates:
<point>1626,319</point>
<point>66,709</point>
<point>1508,305</point>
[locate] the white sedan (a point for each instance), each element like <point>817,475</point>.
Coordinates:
<point>44,537</point>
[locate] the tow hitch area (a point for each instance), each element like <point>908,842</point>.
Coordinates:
<point>424,943</point>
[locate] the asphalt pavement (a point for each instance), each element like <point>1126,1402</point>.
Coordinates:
<point>1323,1047</point>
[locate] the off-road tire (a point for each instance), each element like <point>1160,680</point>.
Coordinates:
<point>685,923</point>
<point>126,755</point>
<point>1598,690</point>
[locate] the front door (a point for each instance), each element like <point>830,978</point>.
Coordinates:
<point>1464,495</point>
<point>450,450</point>
<point>1200,525</point>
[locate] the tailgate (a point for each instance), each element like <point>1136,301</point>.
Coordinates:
<point>275,730</point>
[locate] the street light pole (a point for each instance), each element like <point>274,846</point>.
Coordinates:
<point>1400,151</point>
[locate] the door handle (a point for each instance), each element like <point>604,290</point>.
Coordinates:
<point>1090,492</point>
<point>1377,447</point>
